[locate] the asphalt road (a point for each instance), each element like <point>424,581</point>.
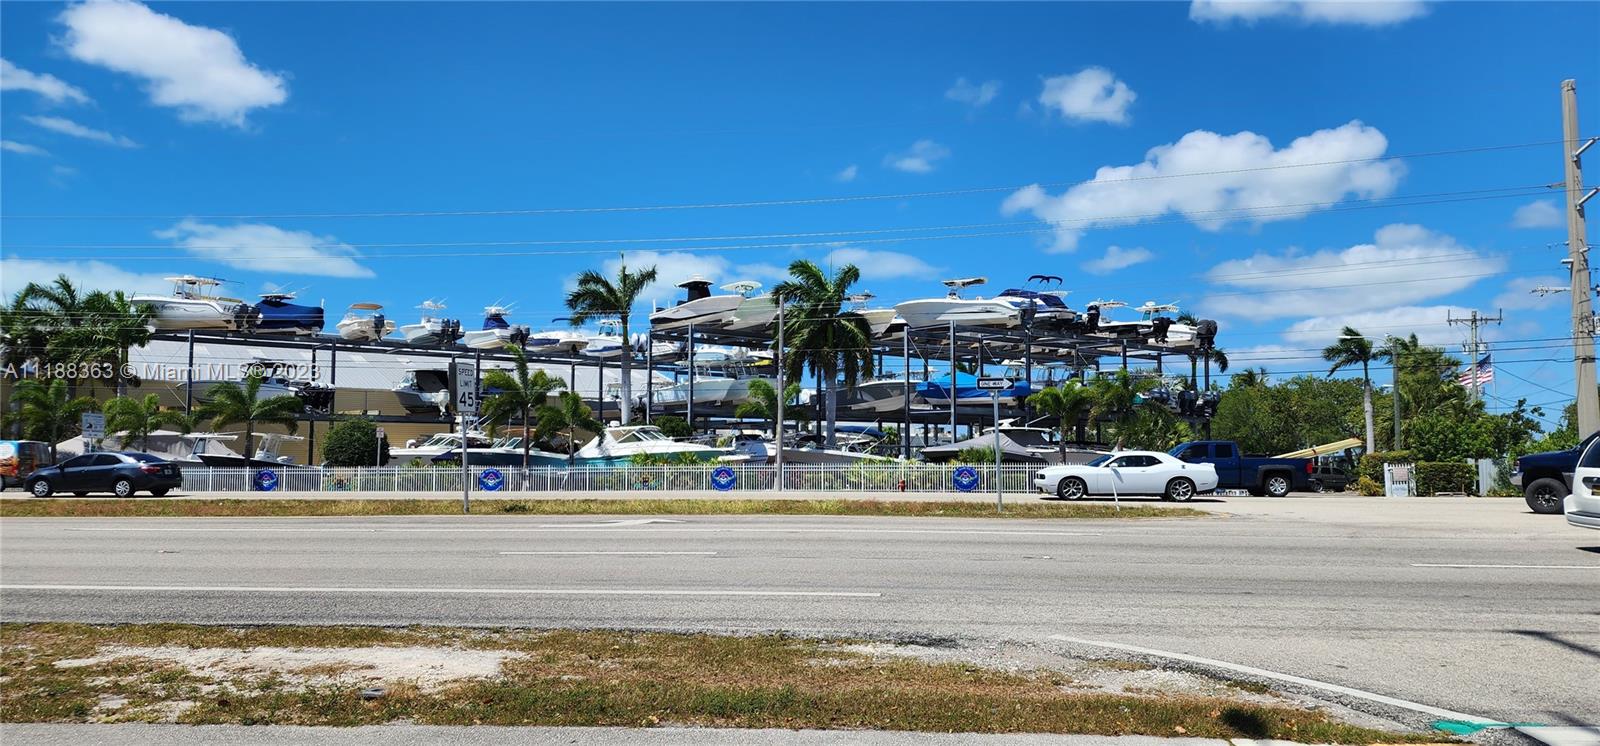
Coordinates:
<point>1472,605</point>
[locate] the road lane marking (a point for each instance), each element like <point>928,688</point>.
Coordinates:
<point>441,591</point>
<point>608,554</point>
<point>1290,678</point>
<point>582,528</point>
<point>1516,567</point>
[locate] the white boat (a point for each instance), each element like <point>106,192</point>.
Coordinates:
<point>425,388</point>
<point>852,445</point>
<point>432,328</point>
<point>754,312</point>
<point>205,452</point>
<point>708,390</point>
<point>1153,325</point>
<point>439,443</point>
<point>558,341</point>
<point>364,322</point>
<point>928,312</point>
<point>618,445</point>
<point>700,307</point>
<point>607,344</point>
<point>496,331</point>
<point>887,394</point>
<point>194,304</point>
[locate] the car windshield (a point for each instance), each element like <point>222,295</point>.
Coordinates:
<point>1100,461</point>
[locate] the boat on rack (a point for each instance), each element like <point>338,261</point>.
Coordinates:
<point>722,378</point>
<point>619,444</point>
<point>1154,325</point>
<point>936,391</point>
<point>433,328</point>
<point>313,396</point>
<point>885,394</point>
<point>275,314</point>
<point>365,322</point>
<point>928,312</point>
<point>496,331</point>
<point>557,341</point>
<point>754,312</point>
<point>425,388</point>
<point>194,304</point>
<point>606,344</point>
<point>700,307</point>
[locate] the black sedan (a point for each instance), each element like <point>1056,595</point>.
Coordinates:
<point>121,474</point>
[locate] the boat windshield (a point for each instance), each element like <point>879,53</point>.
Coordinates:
<point>643,435</point>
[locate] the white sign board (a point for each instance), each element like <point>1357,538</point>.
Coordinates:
<point>94,426</point>
<point>466,390</point>
<point>993,384</point>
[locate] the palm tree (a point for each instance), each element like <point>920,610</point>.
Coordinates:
<point>1068,403</point>
<point>110,327</point>
<point>596,297</point>
<point>140,417</point>
<point>835,345</point>
<point>49,411</point>
<point>763,403</point>
<point>519,393</point>
<point>569,415</point>
<point>1350,350</point>
<point>227,403</point>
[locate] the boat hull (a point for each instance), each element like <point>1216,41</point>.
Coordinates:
<point>362,330</point>
<point>712,311</point>
<point>920,314</point>
<point>177,314</point>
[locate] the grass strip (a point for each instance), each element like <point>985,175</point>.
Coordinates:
<point>136,508</point>
<point>597,678</point>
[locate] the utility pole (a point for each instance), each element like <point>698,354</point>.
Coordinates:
<point>1474,347</point>
<point>1578,253</point>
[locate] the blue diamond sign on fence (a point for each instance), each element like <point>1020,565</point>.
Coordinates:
<point>491,480</point>
<point>723,478</point>
<point>266,480</point>
<point>964,478</point>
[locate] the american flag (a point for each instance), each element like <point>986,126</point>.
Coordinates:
<point>1479,374</point>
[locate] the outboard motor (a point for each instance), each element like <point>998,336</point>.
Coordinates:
<point>377,325</point>
<point>244,317</point>
<point>1205,333</point>
<point>1158,328</point>
<point>1091,318</point>
<point>1208,403</point>
<point>1186,402</point>
<point>519,336</point>
<point>449,332</point>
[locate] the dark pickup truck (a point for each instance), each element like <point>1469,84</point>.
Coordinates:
<point>1546,478</point>
<point>1260,475</point>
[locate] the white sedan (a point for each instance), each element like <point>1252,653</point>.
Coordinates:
<point>1128,473</point>
<point>1583,505</point>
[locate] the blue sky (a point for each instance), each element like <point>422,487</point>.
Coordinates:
<point>189,115</point>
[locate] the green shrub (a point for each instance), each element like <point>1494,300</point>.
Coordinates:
<point>673,427</point>
<point>1446,476</point>
<point>670,459</point>
<point>1367,487</point>
<point>354,442</point>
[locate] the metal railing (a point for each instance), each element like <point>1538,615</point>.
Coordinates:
<point>908,477</point>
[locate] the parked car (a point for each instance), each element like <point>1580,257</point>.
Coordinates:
<point>1582,506</point>
<point>1546,478</point>
<point>1260,475</point>
<point>1128,473</point>
<point>1331,475</point>
<point>18,458</point>
<point>121,474</point>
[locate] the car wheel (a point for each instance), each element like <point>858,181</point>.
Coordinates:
<point>122,488</point>
<point>1316,485</point>
<point>41,488</point>
<point>1180,489</point>
<point>160,491</point>
<point>1545,495</point>
<point>1071,488</point>
<point>1277,485</point>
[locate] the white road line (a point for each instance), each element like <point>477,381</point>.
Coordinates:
<point>1263,673</point>
<point>555,528</point>
<point>648,554</point>
<point>440,591</point>
<point>1517,567</point>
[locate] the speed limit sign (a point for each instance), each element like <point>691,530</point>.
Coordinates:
<point>466,390</point>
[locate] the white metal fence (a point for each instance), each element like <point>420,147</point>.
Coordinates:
<point>745,478</point>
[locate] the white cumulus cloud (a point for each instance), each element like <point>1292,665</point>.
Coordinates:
<point>1353,12</point>
<point>881,265</point>
<point>1356,279</point>
<point>197,70</point>
<point>919,159</point>
<point>972,94</point>
<point>1430,323</point>
<point>267,248</point>
<point>17,272</point>
<point>1117,258</point>
<point>847,174</point>
<point>1541,213</point>
<point>73,129</point>
<point>1093,94</point>
<point>22,148</point>
<point>1214,180</point>
<point>13,78</point>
